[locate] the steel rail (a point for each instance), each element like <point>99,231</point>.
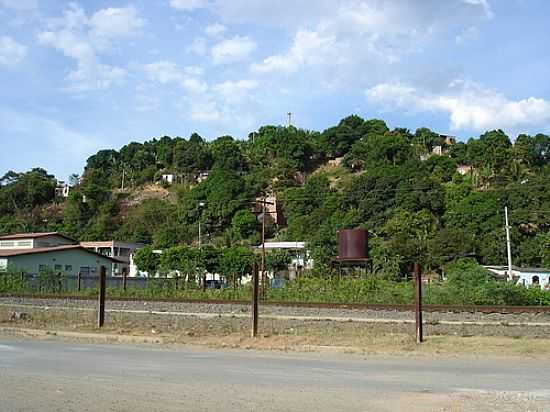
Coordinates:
<point>315,305</point>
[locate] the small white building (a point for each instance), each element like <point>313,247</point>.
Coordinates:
<point>62,190</point>
<point>300,257</point>
<point>168,178</point>
<point>121,252</point>
<point>464,169</point>
<point>523,276</point>
<point>202,176</point>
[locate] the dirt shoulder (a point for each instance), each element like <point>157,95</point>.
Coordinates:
<point>230,332</point>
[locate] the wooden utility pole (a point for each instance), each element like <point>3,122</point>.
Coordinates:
<point>101,297</point>
<point>263,250</point>
<point>255,284</point>
<point>508,244</point>
<point>418,302</point>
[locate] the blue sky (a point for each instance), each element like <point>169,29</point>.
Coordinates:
<point>80,76</point>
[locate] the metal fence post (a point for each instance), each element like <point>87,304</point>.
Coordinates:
<point>418,302</point>
<point>101,299</point>
<point>124,279</point>
<point>78,281</point>
<point>255,282</point>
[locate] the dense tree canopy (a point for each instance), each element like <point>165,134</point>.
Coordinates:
<point>417,204</point>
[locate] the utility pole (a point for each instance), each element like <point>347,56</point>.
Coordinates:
<point>289,119</point>
<point>263,248</point>
<point>201,204</point>
<point>101,297</point>
<point>418,302</point>
<point>508,244</point>
<point>255,282</point>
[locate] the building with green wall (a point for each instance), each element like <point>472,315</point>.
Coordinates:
<point>37,252</point>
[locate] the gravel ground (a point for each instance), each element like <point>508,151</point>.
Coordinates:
<point>430,317</point>
<point>234,319</point>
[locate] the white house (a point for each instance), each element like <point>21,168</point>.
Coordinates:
<point>300,257</point>
<point>62,189</point>
<point>121,252</point>
<point>168,178</point>
<point>523,276</point>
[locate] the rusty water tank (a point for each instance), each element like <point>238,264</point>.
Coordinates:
<point>353,244</point>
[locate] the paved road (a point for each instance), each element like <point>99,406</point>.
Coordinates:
<point>61,376</point>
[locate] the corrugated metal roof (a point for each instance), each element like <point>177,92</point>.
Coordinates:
<point>20,252</point>
<point>31,235</point>
<point>283,245</point>
<point>519,269</point>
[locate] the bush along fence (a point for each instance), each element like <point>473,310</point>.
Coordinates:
<point>465,284</point>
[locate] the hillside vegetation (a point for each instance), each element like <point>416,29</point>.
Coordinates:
<point>358,173</point>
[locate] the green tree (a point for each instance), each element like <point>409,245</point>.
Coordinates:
<point>235,262</point>
<point>147,260</point>
<point>244,224</point>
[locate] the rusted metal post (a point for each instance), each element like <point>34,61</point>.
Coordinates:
<point>124,276</point>
<point>101,299</point>
<point>78,281</point>
<point>255,284</point>
<point>418,302</point>
<point>59,283</point>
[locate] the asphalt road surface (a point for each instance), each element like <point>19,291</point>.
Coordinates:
<point>38,375</point>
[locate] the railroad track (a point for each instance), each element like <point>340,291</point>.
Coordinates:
<point>321,305</point>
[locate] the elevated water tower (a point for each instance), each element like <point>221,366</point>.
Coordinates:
<point>353,249</point>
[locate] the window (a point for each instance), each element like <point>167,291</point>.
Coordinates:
<point>68,268</point>
<point>58,268</point>
<point>43,268</point>
<point>24,243</point>
<point>84,270</point>
<point>7,243</point>
<point>535,280</point>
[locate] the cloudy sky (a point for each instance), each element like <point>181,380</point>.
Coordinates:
<point>79,76</point>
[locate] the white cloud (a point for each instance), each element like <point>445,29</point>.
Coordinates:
<point>469,105</point>
<point>232,50</point>
<point>235,91</point>
<point>11,52</point>
<point>85,39</point>
<point>467,35</point>
<point>205,112</point>
<point>364,40</point>
<point>112,22</point>
<point>199,46</point>
<point>309,47</point>
<point>188,5</point>
<point>215,29</point>
<point>483,4</point>
<point>167,72</point>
